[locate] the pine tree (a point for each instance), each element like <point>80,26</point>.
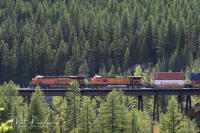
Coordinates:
<point>83,69</point>
<point>72,110</point>
<point>125,22</point>
<point>61,58</point>
<point>113,115</point>
<point>102,71</point>
<point>171,122</point>
<point>87,116</point>
<point>138,70</point>
<point>119,72</point>
<point>5,62</point>
<point>187,81</point>
<point>37,112</point>
<point>35,60</point>
<point>52,122</point>
<point>68,69</point>
<point>170,37</point>
<point>112,71</point>
<point>11,103</point>
<point>26,50</point>
<point>126,60</point>
<point>135,127</point>
<point>45,54</point>
<point>116,47</point>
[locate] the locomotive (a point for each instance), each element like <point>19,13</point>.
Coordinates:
<point>97,81</point>
<point>159,80</point>
<point>56,81</point>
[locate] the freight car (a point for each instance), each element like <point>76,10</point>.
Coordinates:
<point>57,81</point>
<point>168,79</point>
<point>194,79</point>
<point>130,81</point>
<point>159,80</point>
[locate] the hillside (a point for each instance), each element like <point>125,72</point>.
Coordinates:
<point>57,37</point>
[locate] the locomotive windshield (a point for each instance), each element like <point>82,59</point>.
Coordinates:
<point>38,77</point>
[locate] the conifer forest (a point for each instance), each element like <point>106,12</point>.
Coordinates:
<point>95,37</point>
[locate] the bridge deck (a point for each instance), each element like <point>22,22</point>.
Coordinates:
<point>105,91</point>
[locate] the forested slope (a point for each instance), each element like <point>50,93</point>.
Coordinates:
<point>53,37</point>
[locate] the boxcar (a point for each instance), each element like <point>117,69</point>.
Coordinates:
<point>195,79</point>
<point>168,79</point>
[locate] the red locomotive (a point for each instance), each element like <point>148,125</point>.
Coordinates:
<point>57,81</point>
<point>159,79</point>
<point>130,81</point>
<point>97,81</point>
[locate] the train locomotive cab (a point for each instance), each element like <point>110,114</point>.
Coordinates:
<point>62,82</point>
<point>36,81</point>
<point>116,82</point>
<point>98,81</point>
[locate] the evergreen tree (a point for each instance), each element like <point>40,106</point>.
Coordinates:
<point>52,122</point>
<point>87,116</point>
<point>61,58</point>
<point>5,62</point>
<point>72,111</point>
<point>126,60</point>
<point>9,101</point>
<point>26,50</point>
<point>68,69</point>
<point>116,47</point>
<point>138,71</point>
<point>112,71</point>
<point>140,122</point>
<point>12,105</point>
<point>110,118</point>
<point>172,121</point>
<point>37,112</point>
<point>35,60</point>
<point>83,69</point>
<point>102,71</point>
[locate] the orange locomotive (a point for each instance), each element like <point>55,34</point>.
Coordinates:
<point>97,81</point>
<point>56,81</point>
<point>130,81</point>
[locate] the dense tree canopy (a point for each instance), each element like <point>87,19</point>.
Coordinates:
<point>75,113</point>
<point>57,37</point>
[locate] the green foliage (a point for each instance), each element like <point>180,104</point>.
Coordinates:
<point>138,70</point>
<point>102,71</point>
<point>112,71</point>
<point>83,69</point>
<point>126,60</point>
<point>8,96</point>
<point>37,112</point>
<point>68,69</point>
<point>41,37</point>
<point>5,126</point>
<point>12,107</point>
<point>187,81</point>
<point>76,37</point>
<point>61,58</point>
<point>172,122</point>
<point>140,122</point>
<point>113,115</point>
<point>72,110</point>
<point>87,116</point>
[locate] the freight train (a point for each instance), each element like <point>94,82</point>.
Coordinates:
<point>159,79</point>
